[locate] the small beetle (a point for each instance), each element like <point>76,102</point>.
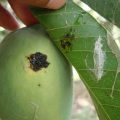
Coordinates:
<point>65,42</point>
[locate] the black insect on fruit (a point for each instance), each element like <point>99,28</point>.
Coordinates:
<point>66,41</point>
<point>38,61</point>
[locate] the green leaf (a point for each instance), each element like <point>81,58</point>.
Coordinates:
<point>110,9</point>
<point>92,51</point>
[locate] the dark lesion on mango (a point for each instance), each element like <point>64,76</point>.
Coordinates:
<point>38,61</point>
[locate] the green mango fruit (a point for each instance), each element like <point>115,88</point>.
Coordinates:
<point>35,78</point>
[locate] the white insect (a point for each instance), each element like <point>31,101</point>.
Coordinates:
<point>99,59</point>
<point>113,35</point>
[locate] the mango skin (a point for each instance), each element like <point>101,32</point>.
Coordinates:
<point>29,95</point>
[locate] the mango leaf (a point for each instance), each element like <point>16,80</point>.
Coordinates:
<point>91,50</point>
<point>110,9</point>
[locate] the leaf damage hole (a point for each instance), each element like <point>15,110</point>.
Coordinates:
<point>38,61</point>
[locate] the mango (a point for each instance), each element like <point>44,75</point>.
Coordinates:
<point>35,78</point>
